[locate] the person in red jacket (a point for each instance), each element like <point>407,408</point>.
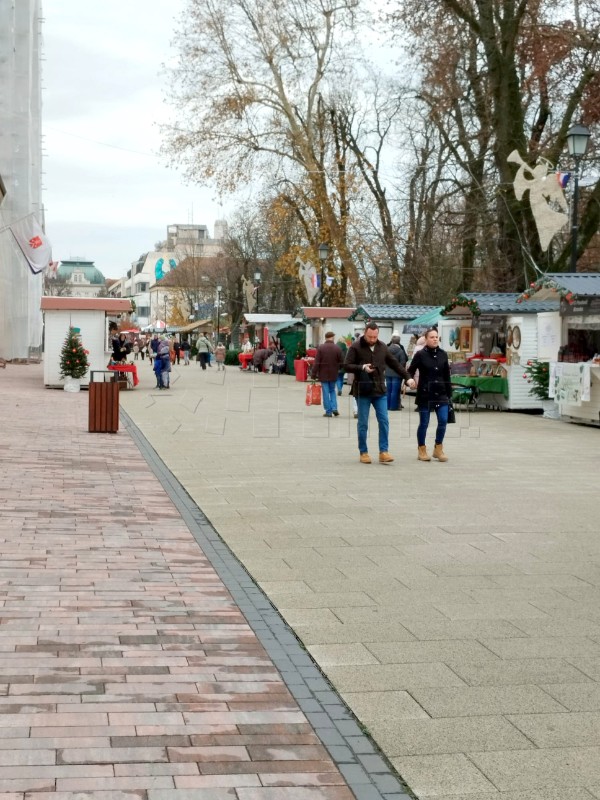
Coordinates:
<point>326,367</point>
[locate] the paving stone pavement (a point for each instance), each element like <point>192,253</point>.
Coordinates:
<point>455,607</point>
<point>128,670</point>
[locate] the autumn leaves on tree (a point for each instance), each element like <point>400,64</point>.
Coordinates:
<point>398,162</point>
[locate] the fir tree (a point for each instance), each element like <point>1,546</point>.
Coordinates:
<point>537,373</point>
<point>73,358</point>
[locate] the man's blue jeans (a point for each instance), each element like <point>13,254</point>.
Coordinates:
<point>364,407</point>
<point>441,412</point>
<point>393,392</point>
<point>329,397</point>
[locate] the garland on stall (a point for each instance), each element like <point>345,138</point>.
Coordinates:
<point>547,283</point>
<point>461,300</point>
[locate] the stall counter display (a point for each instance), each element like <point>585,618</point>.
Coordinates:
<point>488,384</point>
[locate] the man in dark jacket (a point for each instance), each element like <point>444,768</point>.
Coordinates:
<point>393,381</point>
<point>326,368</point>
<point>367,359</point>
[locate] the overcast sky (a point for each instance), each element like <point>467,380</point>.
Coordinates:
<point>108,196</point>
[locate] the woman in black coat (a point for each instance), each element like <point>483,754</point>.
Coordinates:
<point>119,346</point>
<point>434,393</point>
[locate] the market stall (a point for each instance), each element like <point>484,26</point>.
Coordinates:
<point>91,316</point>
<point>572,345</point>
<point>489,337</point>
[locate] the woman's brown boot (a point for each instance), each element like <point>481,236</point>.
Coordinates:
<point>423,453</point>
<point>438,452</point>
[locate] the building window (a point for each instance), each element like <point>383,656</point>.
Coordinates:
<point>143,311</point>
<point>141,287</point>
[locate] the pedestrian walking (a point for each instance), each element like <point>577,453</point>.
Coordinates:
<point>157,369</point>
<point>341,343</point>
<point>163,356</point>
<point>393,381</point>
<point>434,393</point>
<point>220,353</point>
<point>136,351</point>
<point>185,349</point>
<point>154,342</point>
<point>204,348</point>
<point>177,348</point>
<point>367,358</point>
<point>326,368</point>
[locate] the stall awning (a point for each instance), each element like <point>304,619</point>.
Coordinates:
<point>425,321</point>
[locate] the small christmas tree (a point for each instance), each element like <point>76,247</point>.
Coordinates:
<point>73,358</point>
<point>537,373</point>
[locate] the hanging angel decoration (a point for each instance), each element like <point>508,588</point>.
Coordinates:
<point>308,274</point>
<point>545,190</point>
<point>248,289</point>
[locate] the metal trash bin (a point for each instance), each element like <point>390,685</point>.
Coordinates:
<point>104,403</point>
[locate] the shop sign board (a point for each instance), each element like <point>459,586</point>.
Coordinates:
<point>583,305</point>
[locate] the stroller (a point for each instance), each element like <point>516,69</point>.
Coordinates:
<point>280,363</point>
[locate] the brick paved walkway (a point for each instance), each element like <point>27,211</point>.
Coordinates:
<point>127,672</point>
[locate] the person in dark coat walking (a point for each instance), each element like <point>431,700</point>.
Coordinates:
<point>394,381</point>
<point>434,393</point>
<point>326,368</point>
<point>367,359</point>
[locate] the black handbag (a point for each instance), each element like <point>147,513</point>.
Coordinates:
<point>451,414</point>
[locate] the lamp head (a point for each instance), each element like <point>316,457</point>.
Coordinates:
<point>323,251</point>
<point>578,137</point>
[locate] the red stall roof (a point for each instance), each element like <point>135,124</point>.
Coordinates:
<point>108,304</point>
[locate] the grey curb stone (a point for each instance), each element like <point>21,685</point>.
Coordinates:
<point>331,720</point>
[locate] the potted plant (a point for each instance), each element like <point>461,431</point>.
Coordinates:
<point>73,361</point>
<point>537,375</point>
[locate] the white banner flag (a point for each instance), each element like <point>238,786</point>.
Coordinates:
<point>33,243</point>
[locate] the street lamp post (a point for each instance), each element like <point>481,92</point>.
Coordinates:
<point>323,256</point>
<point>578,137</point>
<point>219,290</point>
<point>257,279</point>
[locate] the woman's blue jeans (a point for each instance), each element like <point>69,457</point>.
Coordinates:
<point>364,407</point>
<point>441,412</point>
<point>340,381</point>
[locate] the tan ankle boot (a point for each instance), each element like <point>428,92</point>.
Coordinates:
<point>438,452</point>
<point>423,456</point>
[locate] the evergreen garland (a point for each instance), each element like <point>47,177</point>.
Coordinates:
<point>73,358</point>
<point>461,300</point>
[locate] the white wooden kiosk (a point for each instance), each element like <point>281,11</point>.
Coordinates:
<point>495,327</point>
<point>92,316</point>
<point>571,342</point>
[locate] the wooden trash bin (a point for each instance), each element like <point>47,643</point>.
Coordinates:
<point>104,404</point>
